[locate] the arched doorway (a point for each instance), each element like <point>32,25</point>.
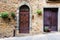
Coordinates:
<point>24,19</point>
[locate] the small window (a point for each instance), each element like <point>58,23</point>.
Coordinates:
<point>53,1</point>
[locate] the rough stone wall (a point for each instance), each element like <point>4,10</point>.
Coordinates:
<point>6,28</point>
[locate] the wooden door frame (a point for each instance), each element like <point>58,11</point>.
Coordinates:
<point>21,4</point>
<point>58,18</point>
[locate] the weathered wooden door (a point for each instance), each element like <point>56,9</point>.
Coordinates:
<point>24,19</point>
<point>51,18</point>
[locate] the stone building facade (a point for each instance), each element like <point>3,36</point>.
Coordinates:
<point>36,24</point>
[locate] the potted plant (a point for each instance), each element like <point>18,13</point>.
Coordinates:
<point>46,29</point>
<point>39,12</point>
<point>4,15</point>
<point>13,14</point>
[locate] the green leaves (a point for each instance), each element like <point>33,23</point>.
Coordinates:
<point>39,12</point>
<point>4,15</point>
<point>13,14</point>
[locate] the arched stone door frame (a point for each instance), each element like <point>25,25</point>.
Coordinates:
<point>21,4</point>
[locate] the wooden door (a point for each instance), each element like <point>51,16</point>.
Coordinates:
<point>51,18</point>
<point>54,21</point>
<point>24,19</point>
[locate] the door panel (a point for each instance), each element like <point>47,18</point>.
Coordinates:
<point>47,15</point>
<point>54,18</point>
<point>24,22</point>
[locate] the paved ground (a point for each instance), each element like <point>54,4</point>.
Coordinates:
<point>50,36</point>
